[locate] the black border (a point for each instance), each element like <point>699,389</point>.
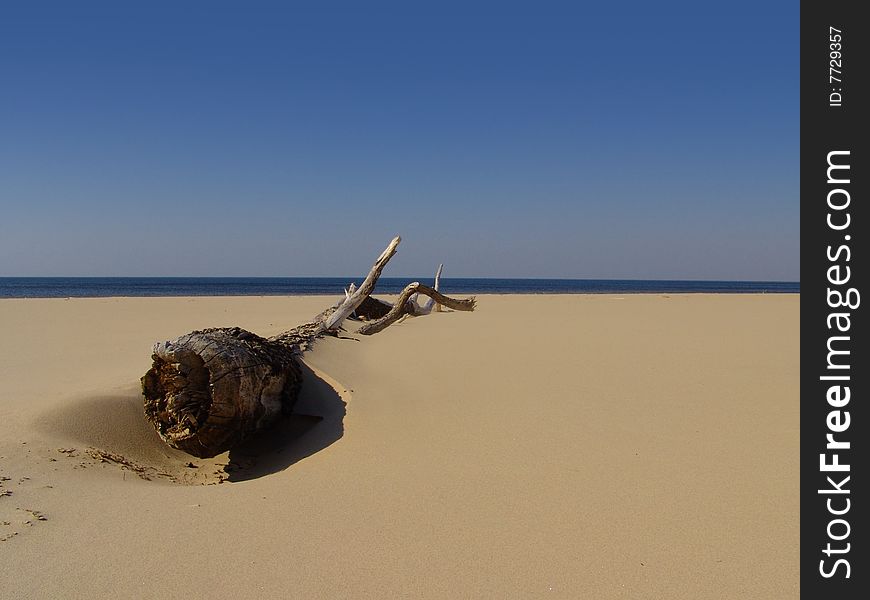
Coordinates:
<point>824,129</point>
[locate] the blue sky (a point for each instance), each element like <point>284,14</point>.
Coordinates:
<point>538,139</point>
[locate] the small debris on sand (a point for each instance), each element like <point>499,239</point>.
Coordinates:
<point>38,515</point>
<point>140,470</point>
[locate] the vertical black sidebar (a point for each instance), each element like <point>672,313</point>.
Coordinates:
<point>835,372</point>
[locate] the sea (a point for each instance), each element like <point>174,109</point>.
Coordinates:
<point>102,287</point>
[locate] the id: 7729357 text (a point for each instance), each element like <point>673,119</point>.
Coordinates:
<point>835,66</point>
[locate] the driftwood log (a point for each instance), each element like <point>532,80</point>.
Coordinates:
<point>209,390</point>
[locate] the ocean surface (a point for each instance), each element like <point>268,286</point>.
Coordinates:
<point>100,287</point>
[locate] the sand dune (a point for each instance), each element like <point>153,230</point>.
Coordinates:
<point>542,446</point>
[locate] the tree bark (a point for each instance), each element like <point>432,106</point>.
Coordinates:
<point>210,389</point>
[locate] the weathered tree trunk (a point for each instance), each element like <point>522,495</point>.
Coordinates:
<point>208,390</point>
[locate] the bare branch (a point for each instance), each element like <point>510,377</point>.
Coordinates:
<point>400,308</point>
<point>368,285</point>
<point>430,303</point>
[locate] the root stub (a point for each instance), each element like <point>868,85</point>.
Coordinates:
<point>208,390</point>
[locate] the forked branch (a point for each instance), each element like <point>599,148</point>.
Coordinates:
<point>346,308</point>
<point>400,308</point>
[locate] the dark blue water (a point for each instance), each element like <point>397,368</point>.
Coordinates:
<point>86,287</point>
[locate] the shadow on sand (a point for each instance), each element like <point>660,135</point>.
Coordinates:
<point>316,423</point>
<point>116,423</point>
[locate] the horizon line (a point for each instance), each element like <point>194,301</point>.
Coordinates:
<point>404,277</point>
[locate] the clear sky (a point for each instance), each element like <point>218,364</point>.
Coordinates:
<point>538,139</point>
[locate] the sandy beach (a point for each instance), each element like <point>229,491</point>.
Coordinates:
<point>564,446</point>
